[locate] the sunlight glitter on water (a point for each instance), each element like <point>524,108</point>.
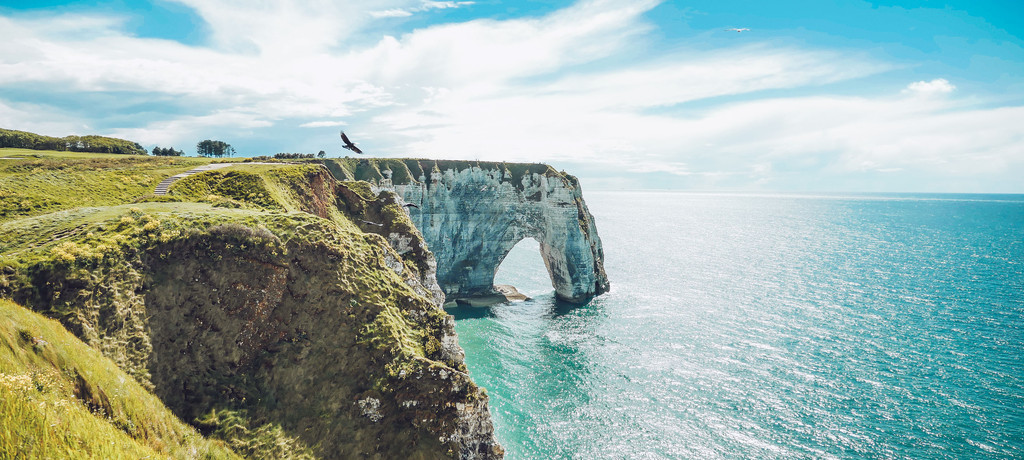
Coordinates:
<point>770,327</point>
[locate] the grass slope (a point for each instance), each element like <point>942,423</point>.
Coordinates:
<point>52,181</point>
<point>63,399</point>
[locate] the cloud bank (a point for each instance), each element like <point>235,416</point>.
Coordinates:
<point>578,86</point>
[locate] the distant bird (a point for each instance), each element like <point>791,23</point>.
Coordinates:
<point>410,205</point>
<point>348,144</point>
<point>738,29</point>
<point>372,223</point>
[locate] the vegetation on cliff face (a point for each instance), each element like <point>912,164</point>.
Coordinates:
<point>63,399</point>
<point>255,299</point>
<point>264,442</point>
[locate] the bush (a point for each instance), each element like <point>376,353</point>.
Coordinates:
<point>293,156</point>
<point>267,441</point>
<point>168,152</point>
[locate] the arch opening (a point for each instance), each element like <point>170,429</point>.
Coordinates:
<point>523,267</point>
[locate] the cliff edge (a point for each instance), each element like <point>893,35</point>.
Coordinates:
<point>273,294</point>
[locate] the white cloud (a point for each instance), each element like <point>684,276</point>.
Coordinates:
<point>322,124</point>
<point>572,86</point>
<point>168,132</point>
<point>393,13</point>
<point>424,6</point>
<point>39,119</point>
<point>936,86</point>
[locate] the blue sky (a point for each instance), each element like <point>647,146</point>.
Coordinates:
<point>924,96</point>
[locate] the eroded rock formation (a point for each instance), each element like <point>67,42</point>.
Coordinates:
<point>472,213</point>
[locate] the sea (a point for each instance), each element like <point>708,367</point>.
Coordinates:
<point>768,326</point>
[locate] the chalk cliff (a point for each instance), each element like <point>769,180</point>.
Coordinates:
<point>471,214</point>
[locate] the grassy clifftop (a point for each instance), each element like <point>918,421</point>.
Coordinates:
<point>266,297</point>
<point>43,182</point>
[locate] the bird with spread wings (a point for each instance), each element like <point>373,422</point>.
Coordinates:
<point>738,29</point>
<point>349,144</point>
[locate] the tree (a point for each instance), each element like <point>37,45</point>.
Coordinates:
<point>211,148</point>
<point>321,154</point>
<point>168,152</point>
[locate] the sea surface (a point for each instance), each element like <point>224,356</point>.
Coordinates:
<point>768,326</point>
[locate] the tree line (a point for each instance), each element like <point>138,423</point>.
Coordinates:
<point>100,144</point>
<point>292,156</point>
<point>95,144</point>
<point>168,152</point>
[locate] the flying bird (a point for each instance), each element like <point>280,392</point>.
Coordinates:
<point>410,205</point>
<point>348,144</point>
<point>738,29</point>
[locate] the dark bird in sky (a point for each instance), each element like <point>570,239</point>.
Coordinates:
<point>410,205</point>
<point>348,144</point>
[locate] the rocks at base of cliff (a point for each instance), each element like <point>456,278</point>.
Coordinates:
<point>503,293</point>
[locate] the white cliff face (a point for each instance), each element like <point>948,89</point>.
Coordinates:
<point>472,218</point>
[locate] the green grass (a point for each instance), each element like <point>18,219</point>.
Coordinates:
<point>275,188</point>
<point>267,441</point>
<point>64,180</point>
<point>241,185</point>
<point>43,233</point>
<point>78,251</point>
<point>52,154</point>
<point>75,243</point>
<point>62,399</point>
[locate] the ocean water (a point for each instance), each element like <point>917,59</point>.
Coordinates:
<point>768,326</point>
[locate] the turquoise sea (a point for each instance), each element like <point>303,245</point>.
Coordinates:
<point>768,326</point>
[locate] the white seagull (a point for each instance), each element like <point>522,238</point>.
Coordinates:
<point>738,29</point>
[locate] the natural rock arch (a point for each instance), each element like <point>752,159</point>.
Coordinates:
<point>524,267</point>
<point>471,217</point>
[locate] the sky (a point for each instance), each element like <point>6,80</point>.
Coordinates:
<point>836,96</point>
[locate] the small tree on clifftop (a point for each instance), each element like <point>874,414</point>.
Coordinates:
<point>211,148</point>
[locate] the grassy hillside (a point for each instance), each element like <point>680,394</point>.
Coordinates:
<point>45,182</point>
<point>253,300</point>
<point>63,399</point>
